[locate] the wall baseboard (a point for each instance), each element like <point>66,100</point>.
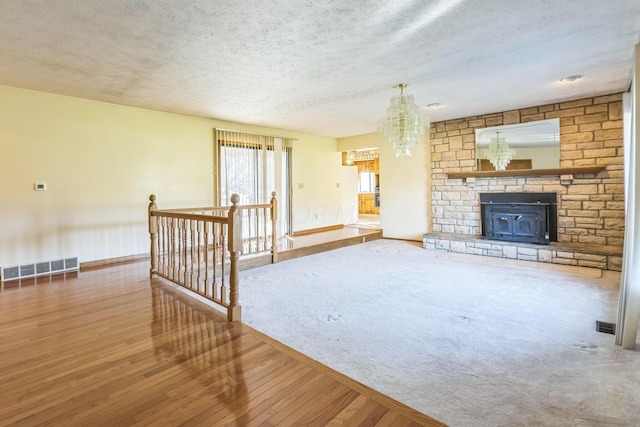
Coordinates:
<point>112,261</point>
<point>317,230</point>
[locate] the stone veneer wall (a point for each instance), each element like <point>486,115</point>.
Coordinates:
<point>590,206</point>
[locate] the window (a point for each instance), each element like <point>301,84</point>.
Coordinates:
<point>367,182</point>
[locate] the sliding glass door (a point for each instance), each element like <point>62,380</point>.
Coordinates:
<point>253,166</point>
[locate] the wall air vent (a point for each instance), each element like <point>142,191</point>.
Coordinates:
<point>606,327</point>
<point>45,268</point>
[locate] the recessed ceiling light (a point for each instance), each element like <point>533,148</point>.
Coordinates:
<point>434,105</point>
<point>571,78</point>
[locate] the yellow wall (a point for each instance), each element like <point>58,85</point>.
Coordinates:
<point>100,163</point>
<point>404,186</point>
<point>316,171</point>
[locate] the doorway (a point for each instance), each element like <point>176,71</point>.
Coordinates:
<point>367,164</point>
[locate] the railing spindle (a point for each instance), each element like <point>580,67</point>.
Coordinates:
<point>199,278</point>
<point>207,284</point>
<point>165,254</point>
<point>274,237</point>
<point>264,230</point>
<point>172,253</point>
<point>184,233</point>
<point>214,256</point>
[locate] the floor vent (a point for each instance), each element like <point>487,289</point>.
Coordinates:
<point>606,327</point>
<point>39,269</point>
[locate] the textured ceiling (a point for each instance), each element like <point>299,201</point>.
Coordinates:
<point>320,67</point>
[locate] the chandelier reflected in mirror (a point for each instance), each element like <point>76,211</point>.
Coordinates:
<point>403,125</point>
<point>499,153</point>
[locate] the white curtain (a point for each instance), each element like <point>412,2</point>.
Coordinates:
<point>629,302</point>
<point>254,166</point>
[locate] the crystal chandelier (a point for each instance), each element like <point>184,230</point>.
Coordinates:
<point>403,125</point>
<point>351,157</point>
<point>499,153</point>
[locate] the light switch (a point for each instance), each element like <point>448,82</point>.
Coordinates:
<point>40,186</point>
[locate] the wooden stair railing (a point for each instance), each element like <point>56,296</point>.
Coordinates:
<point>200,248</point>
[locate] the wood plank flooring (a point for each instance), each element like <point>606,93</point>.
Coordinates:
<point>110,347</point>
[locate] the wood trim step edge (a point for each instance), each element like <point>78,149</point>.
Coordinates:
<point>317,230</point>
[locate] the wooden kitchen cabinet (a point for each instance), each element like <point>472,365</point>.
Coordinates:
<point>366,203</point>
<point>368,166</point>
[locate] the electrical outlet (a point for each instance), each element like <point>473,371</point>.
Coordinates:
<point>40,186</point>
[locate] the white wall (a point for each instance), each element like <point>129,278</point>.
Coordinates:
<point>404,186</point>
<point>101,161</point>
<point>349,187</point>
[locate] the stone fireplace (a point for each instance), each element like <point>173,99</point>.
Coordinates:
<point>519,217</point>
<point>589,204</point>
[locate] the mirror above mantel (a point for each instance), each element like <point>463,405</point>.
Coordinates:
<point>522,146</point>
<point>536,148</point>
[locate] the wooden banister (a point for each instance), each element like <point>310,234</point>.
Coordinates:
<point>187,216</point>
<point>153,235</point>
<point>200,248</point>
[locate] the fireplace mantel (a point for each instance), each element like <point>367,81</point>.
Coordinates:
<point>527,172</point>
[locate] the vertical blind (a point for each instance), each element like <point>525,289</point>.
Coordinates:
<point>253,166</point>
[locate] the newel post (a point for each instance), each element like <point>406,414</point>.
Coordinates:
<point>274,236</point>
<point>153,235</point>
<point>235,247</point>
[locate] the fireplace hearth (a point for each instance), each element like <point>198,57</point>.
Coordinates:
<point>519,217</point>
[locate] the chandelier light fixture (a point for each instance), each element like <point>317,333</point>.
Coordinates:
<point>499,153</point>
<point>403,125</point>
<point>351,157</point>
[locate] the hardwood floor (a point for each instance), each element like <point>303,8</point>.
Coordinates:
<point>110,347</point>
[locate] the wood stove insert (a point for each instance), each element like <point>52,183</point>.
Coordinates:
<point>520,217</point>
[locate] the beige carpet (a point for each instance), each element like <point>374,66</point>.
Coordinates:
<point>470,344</point>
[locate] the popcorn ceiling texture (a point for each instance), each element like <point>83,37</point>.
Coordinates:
<point>320,67</point>
<point>590,206</point>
